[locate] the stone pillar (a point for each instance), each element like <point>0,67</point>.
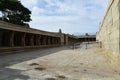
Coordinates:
<point>23,39</point>
<point>35,40</point>
<point>44,40</point>
<point>1,38</point>
<point>66,40</point>
<point>62,39</point>
<point>56,40</point>
<point>53,40</point>
<point>48,39</point>
<point>59,41</point>
<point>12,39</point>
<point>85,39</point>
<point>92,39</point>
<point>38,40</point>
<point>32,40</point>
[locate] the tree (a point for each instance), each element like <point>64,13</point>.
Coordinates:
<point>14,12</point>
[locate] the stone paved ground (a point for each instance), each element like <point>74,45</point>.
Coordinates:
<point>61,63</point>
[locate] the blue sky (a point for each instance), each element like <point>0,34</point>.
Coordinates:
<point>72,16</point>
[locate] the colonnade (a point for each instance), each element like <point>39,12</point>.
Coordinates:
<point>72,40</point>
<point>21,39</point>
<point>88,39</point>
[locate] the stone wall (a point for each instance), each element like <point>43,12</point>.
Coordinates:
<point>109,30</point>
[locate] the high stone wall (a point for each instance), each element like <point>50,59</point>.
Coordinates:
<point>109,31</point>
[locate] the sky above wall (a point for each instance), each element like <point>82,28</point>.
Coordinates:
<point>72,16</point>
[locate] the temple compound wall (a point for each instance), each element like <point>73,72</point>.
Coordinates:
<point>109,31</point>
<point>15,37</point>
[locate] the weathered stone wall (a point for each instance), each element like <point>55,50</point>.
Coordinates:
<point>109,30</point>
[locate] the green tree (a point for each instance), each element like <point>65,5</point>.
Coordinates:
<point>13,11</point>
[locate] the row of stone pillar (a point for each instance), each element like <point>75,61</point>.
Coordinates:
<point>87,39</point>
<point>72,41</point>
<point>28,39</point>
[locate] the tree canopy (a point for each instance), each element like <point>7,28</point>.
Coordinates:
<point>14,12</point>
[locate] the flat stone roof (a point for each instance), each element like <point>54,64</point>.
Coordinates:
<point>13,27</point>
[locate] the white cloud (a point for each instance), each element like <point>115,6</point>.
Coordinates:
<point>70,15</point>
<point>29,3</point>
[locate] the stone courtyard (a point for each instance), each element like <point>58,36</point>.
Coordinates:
<point>60,63</point>
<point>31,54</point>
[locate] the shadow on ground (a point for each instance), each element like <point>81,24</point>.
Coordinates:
<point>12,74</point>
<point>18,57</point>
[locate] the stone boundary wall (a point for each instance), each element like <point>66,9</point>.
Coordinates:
<point>109,31</point>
